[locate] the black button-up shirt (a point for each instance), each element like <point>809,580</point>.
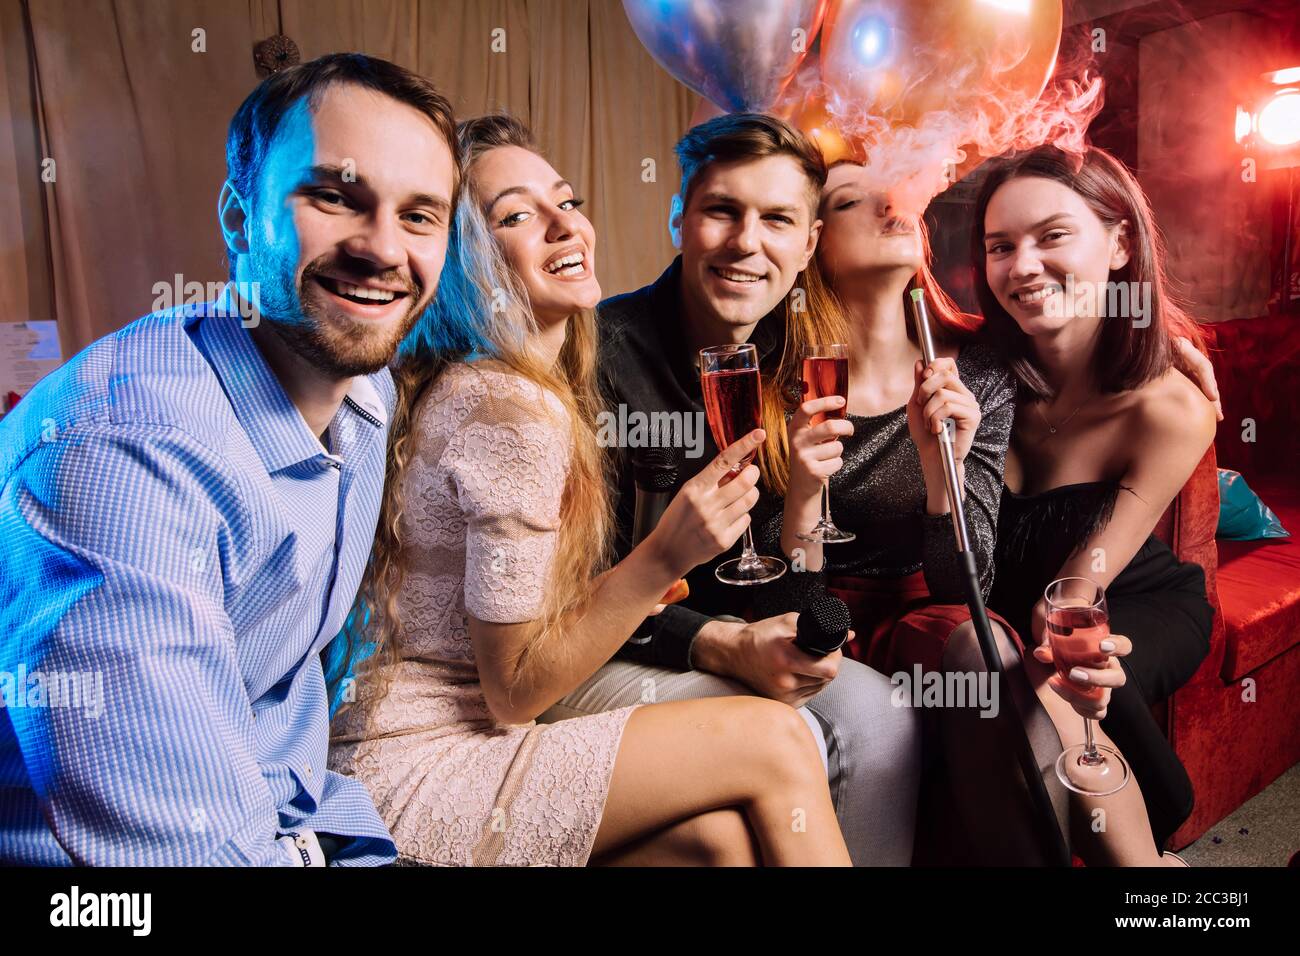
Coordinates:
<point>646,366</point>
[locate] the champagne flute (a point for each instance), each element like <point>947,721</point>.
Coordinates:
<point>1077,623</point>
<point>826,372</point>
<point>732,401</point>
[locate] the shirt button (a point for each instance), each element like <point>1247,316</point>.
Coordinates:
<point>309,770</point>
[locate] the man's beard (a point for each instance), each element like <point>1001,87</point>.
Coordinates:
<point>328,338</point>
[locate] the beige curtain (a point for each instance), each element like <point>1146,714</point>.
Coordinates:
<point>26,282</point>
<point>131,104</point>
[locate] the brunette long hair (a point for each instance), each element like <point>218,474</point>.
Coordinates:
<point>481,312</point>
<point>1126,356</point>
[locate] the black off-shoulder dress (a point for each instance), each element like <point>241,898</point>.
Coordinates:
<point>1157,601</point>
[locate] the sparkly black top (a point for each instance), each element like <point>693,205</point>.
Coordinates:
<point>879,495</point>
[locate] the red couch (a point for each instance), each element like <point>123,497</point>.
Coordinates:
<point>1236,724</point>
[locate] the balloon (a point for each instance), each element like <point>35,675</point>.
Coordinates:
<point>739,54</point>
<point>803,106</point>
<point>900,59</point>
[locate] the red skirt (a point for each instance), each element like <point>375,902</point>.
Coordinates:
<point>897,624</point>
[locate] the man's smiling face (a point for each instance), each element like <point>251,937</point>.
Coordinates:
<point>348,231</point>
<point>747,232</point>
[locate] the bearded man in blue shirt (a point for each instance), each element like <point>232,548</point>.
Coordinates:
<point>187,505</point>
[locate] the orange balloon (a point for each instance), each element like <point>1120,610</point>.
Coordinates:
<point>810,116</point>
<point>899,59</point>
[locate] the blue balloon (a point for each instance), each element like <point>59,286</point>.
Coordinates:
<point>739,54</point>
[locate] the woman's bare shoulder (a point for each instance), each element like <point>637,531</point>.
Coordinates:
<point>1172,410</point>
<point>1174,400</point>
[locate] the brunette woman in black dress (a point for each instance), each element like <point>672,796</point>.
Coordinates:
<point>1069,270</point>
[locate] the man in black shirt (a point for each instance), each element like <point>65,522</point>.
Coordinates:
<point>746,223</point>
<point>647,365</point>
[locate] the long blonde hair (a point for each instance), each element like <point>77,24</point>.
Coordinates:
<point>481,311</point>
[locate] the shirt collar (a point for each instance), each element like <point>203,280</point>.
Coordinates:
<point>276,428</point>
<point>366,398</point>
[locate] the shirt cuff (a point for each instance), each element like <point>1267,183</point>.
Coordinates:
<point>675,629</point>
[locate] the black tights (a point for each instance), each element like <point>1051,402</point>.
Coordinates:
<point>978,780</point>
<point>980,810</point>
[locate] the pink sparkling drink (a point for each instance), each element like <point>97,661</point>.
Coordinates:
<point>1075,634</point>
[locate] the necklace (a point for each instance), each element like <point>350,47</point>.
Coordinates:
<point>1053,429</point>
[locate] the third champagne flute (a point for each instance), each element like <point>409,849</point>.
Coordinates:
<point>732,400</point>
<point>1077,623</point>
<point>826,372</point>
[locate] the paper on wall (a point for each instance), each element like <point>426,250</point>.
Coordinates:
<point>28,352</point>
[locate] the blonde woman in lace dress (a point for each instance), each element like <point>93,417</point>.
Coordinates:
<point>486,600</point>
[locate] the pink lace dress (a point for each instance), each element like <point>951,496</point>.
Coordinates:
<point>455,786</point>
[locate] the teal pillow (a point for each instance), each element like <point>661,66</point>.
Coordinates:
<point>1242,516</point>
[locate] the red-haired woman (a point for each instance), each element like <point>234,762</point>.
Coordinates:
<point>900,576</point>
<point>882,457</point>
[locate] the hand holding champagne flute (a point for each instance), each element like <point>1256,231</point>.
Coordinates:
<point>1077,624</point>
<point>732,401</point>
<point>706,516</point>
<point>826,373</point>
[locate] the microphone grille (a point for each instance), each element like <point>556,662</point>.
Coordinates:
<point>824,621</point>
<point>830,613</point>
<point>656,466</point>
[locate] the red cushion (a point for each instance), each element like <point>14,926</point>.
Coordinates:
<point>1188,527</point>
<point>1234,743</point>
<point>1259,585</point>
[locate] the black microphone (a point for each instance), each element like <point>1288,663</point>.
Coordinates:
<point>823,625</point>
<point>655,471</point>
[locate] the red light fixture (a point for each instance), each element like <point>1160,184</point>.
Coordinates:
<point>1270,132</point>
<point>1271,126</point>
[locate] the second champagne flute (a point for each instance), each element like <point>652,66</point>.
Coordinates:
<point>825,373</point>
<point>732,401</point>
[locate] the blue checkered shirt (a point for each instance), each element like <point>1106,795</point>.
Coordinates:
<point>176,548</point>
